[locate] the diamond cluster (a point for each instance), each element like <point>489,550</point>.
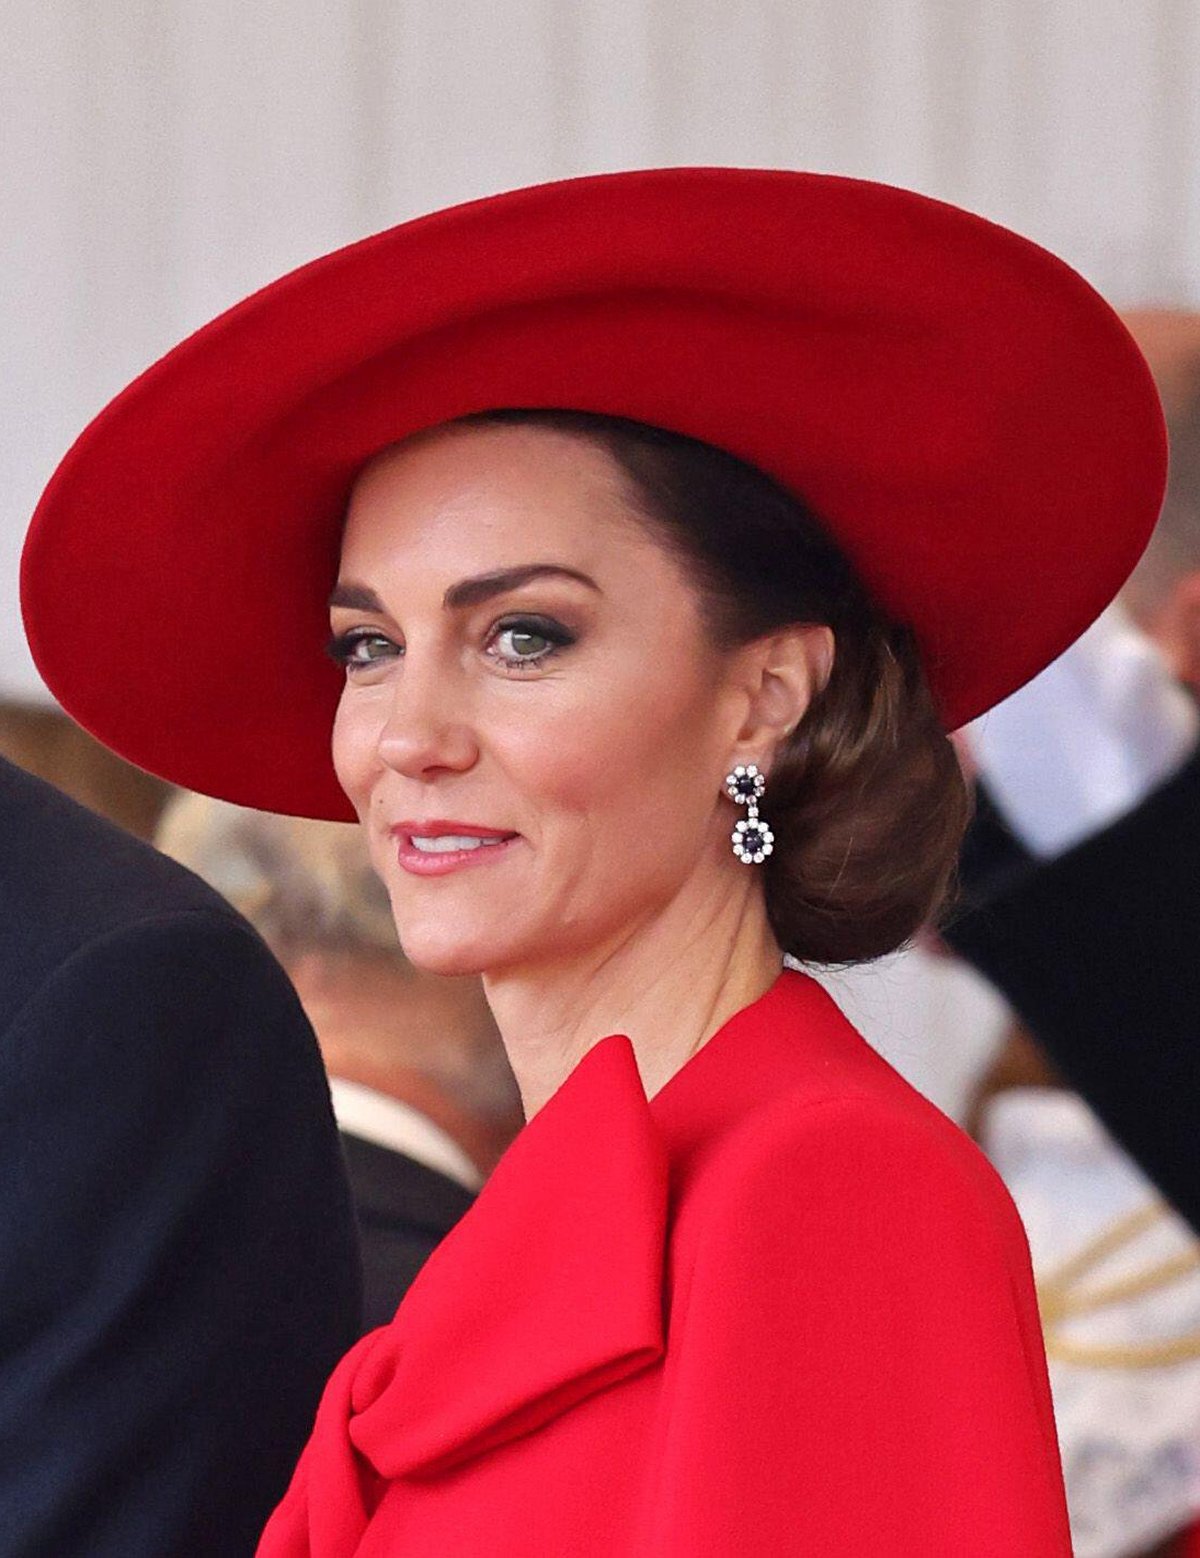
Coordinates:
<point>752,840</point>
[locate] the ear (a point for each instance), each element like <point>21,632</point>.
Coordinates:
<point>780,674</point>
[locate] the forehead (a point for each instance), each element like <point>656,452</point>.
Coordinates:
<point>458,496</point>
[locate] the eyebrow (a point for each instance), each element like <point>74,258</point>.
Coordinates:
<point>467,592</point>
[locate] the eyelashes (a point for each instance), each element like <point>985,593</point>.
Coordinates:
<point>553,635</point>
<point>343,648</point>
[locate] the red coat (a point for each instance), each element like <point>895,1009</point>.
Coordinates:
<point>784,1307</point>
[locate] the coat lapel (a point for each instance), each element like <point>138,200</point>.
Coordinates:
<point>549,1289</point>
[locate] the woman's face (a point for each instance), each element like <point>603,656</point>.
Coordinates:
<point>525,664</point>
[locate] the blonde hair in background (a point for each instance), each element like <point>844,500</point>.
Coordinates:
<point>304,885</point>
<point>308,887</point>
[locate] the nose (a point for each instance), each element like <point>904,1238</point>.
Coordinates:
<point>427,730</point>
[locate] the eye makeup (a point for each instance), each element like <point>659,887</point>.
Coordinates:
<point>343,648</point>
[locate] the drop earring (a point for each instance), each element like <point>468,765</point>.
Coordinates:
<point>752,840</point>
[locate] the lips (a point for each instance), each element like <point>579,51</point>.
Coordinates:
<point>444,827</point>
<point>435,846</point>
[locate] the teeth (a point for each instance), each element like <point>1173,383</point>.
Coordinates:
<point>445,842</point>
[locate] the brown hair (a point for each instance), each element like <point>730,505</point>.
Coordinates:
<point>866,798</point>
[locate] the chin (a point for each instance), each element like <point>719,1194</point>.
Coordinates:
<point>442,946</point>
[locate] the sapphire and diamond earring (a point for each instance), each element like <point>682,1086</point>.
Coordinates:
<point>752,840</point>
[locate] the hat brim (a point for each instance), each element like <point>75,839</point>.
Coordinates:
<point>968,417</point>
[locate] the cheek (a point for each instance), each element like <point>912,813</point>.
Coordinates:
<point>625,769</point>
<point>352,747</point>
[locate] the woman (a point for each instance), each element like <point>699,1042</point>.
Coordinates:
<point>823,485</point>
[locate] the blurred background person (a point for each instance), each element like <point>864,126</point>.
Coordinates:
<point>1118,1280</point>
<point>423,1093</point>
<point>1081,874</point>
<point>1088,782</point>
<point>1163,594</point>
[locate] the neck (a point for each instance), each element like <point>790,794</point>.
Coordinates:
<point>668,983</point>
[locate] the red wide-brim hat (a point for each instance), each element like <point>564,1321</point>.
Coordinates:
<point>968,417</point>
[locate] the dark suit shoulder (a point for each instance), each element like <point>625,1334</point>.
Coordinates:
<point>69,877</point>
<point>180,1271</point>
<point>1098,950</point>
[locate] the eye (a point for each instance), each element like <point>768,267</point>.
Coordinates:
<point>360,647</point>
<point>526,641</point>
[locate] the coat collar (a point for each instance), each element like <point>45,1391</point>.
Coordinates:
<point>547,1290</point>
<point>551,1287</point>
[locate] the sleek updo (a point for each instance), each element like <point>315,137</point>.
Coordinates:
<point>866,798</point>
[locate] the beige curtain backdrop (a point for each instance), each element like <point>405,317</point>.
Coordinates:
<point>161,158</point>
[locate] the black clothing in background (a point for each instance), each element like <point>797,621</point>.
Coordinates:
<point>404,1209</point>
<point>178,1273</point>
<point>1098,950</point>
<point>992,857</point>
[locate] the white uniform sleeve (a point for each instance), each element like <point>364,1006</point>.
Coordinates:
<point>1087,740</point>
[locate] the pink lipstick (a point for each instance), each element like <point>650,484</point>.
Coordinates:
<point>436,846</point>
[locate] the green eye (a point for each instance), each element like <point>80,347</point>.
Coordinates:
<point>525,644</point>
<point>345,648</point>
<point>527,641</point>
<point>368,646</point>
